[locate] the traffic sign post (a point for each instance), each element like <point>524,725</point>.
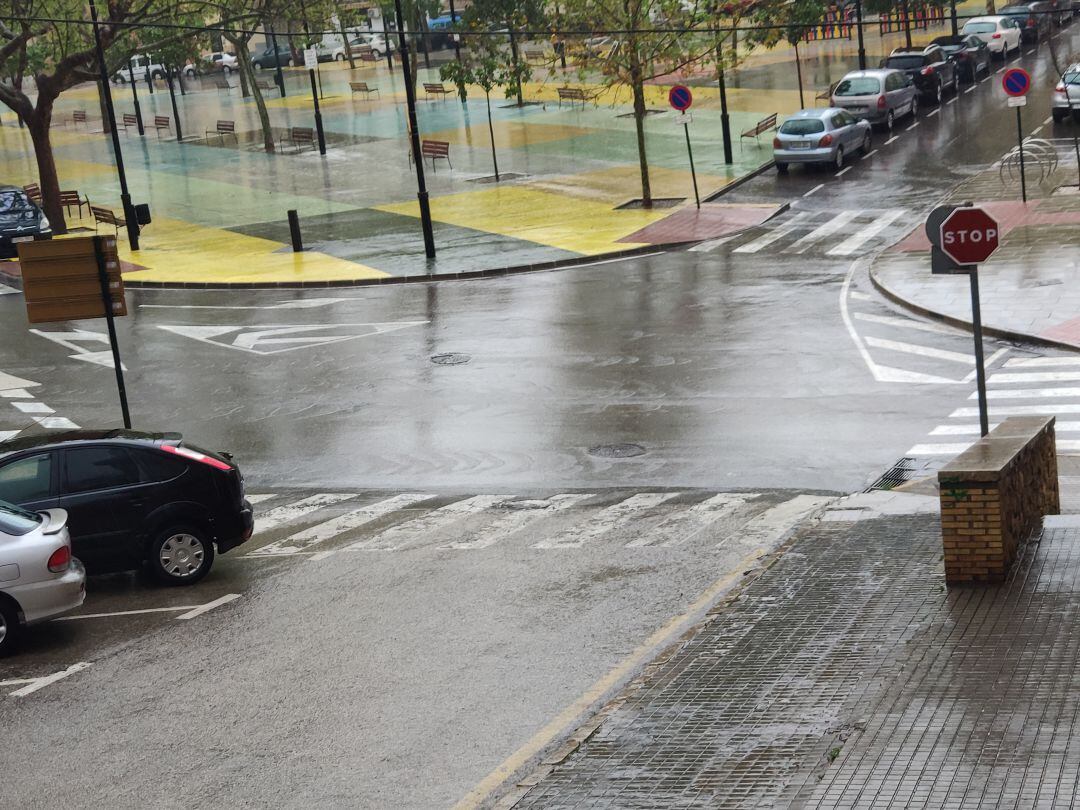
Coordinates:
<point>680,98</point>
<point>1016,82</point>
<point>962,236</point>
<point>72,279</point>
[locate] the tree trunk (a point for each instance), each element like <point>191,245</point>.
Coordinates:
<point>638,85</point>
<point>514,61</point>
<point>244,63</point>
<point>491,132</point>
<point>38,125</point>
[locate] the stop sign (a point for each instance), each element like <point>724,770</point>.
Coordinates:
<point>969,235</point>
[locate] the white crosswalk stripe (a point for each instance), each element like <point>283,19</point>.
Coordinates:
<point>281,515</point>
<point>398,536</point>
<point>608,520</point>
<point>773,234</point>
<point>524,514</point>
<point>860,238</point>
<point>835,233</point>
<point>820,232</point>
<point>682,526</point>
<point>773,524</point>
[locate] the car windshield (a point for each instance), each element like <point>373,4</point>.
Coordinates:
<point>910,62</point>
<point>1072,77</point>
<point>802,126</point>
<point>16,521</point>
<point>980,28</point>
<point>862,86</point>
<point>951,48</point>
<point>1015,11</point>
<point>14,202</point>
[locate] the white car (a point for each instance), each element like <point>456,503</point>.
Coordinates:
<point>139,66</point>
<point>329,51</point>
<point>1066,97</point>
<point>39,579</point>
<point>217,62</point>
<point>1001,34</point>
<point>377,42</point>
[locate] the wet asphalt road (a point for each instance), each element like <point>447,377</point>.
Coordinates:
<point>401,677</point>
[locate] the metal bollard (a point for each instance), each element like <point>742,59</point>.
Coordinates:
<point>294,231</point>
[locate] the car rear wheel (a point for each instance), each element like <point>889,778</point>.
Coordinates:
<point>781,168</point>
<point>339,58</point>
<point>181,555</point>
<point>890,118</point>
<point>915,105</point>
<point>939,93</point>
<point>9,626</point>
<point>866,144</point>
<point>1059,115</point>
<point>226,70</point>
<point>376,53</point>
<point>838,158</point>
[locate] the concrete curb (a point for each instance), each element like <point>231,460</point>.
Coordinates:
<point>960,323</point>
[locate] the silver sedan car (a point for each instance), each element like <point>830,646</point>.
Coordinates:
<point>820,136</point>
<point>39,578</point>
<point>1066,98</point>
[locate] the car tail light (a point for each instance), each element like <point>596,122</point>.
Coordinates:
<point>996,36</point>
<point>825,141</point>
<point>60,560</point>
<point>1031,22</point>
<point>185,452</point>
<point>1060,87</point>
<point>777,143</point>
<point>881,102</point>
<point>927,71</point>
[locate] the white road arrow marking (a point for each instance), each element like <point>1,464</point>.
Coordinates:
<point>266,340</point>
<point>34,684</point>
<point>75,339</point>
<point>12,383</point>
<point>7,434</point>
<point>6,290</point>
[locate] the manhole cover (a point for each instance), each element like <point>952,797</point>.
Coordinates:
<point>625,450</point>
<point>450,359</point>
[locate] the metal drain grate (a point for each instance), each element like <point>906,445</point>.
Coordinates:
<point>624,450</point>
<point>899,473</point>
<point>451,359</point>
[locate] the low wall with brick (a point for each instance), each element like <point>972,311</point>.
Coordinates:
<point>994,495</point>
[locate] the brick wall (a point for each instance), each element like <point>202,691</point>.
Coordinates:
<point>994,495</point>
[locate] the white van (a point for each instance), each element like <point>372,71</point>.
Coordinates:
<point>140,65</point>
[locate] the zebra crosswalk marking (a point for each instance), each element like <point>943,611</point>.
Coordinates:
<point>1033,377</point>
<point>923,351</point>
<point>1019,410</point>
<point>773,235</point>
<point>904,323</point>
<point>341,524</point>
<point>774,523</point>
<point>858,239</point>
<point>518,520</point>
<point>397,536</point>
<point>680,527</point>
<point>1028,393</point>
<point>1042,362</point>
<point>607,520</point>
<point>820,232</point>
<point>280,515</point>
<point>265,496</point>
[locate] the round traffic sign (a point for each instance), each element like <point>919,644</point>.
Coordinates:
<point>680,97</point>
<point>969,235</point>
<point>1016,82</point>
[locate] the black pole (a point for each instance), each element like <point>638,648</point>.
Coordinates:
<point>491,133</point>
<point>180,80</point>
<point>135,98</point>
<point>294,231</point>
<point>149,76</point>
<point>345,39</point>
<point>690,154</point>
<point>172,95</point>
<point>278,76</point>
<point>907,24</point>
<point>725,119</point>
<point>107,301</point>
<point>453,21</point>
<point>414,135</point>
<point>952,17</point>
<point>125,197</point>
<point>1020,146</point>
<point>318,115</point>
<point>862,46</point>
<point>980,370</point>
<point>798,72</point>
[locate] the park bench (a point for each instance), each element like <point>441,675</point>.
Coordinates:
<point>162,122</point>
<point>434,150</point>
<point>107,217</point>
<point>223,128</point>
<point>368,56</point>
<point>299,137</point>
<point>436,90</point>
<point>362,87</point>
<point>764,125</point>
<point>129,120</point>
<point>572,94</point>
<point>72,198</point>
<point>221,83</point>
<point>78,117</point>
<point>534,55</point>
<point>33,193</point>
<point>265,84</point>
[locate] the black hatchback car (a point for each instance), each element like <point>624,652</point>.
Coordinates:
<point>929,68</point>
<point>132,498</point>
<point>20,221</point>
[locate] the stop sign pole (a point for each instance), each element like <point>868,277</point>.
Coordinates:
<point>962,236</point>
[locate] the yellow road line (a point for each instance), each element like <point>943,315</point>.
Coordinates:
<point>571,716</point>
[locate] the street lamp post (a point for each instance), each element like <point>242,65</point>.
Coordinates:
<point>457,44</point>
<point>725,119</point>
<point>135,98</point>
<point>862,46</point>
<point>414,134</point>
<point>172,97</point>
<point>279,77</point>
<point>125,197</point>
<point>952,17</point>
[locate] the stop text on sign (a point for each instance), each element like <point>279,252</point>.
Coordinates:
<point>973,237</point>
<point>968,235</point>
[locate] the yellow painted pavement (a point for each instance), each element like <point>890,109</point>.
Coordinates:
<point>579,226</point>
<point>617,184</point>
<point>508,134</point>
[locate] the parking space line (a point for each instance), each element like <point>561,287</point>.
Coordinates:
<point>123,613</point>
<point>818,187</point>
<point>985,78</point>
<point>1000,69</point>
<point>1036,131</point>
<point>953,100</point>
<point>1048,120</point>
<point>322,555</point>
<point>970,89</point>
<point>264,496</point>
<point>933,112</point>
<point>893,138</point>
<point>867,155</point>
<point>843,171</point>
<point>201,609</point>
<point>912,127</point>
<point>35,684</point>
<point>1028,53</point>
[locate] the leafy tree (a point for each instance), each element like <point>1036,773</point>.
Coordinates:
<point>788,21</point>
<point>513,15</point>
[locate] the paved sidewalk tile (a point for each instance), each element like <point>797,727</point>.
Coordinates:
<point>847,676</point>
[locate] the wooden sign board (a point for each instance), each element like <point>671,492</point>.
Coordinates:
<point>61,282</point>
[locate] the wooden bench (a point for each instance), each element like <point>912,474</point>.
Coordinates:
<point>129,120</point>
<point>223,128</point>
<point>362,87</point>
<point>572,94</point>
<point>162,122</point>
<point>265,84</point>
<point>534,55</point>
<point>764,125</point>
<point>33,193</point>
<point>104,215</point>
<point>436,90</point>
<point>434,150</point>
<point>78,117</point>
<point>299,137</point>
<point>73,198</point>
<point>221,83</point>
<point>369,56</point>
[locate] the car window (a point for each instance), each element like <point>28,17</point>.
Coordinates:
<point>157,466</point>
<point>860,86</point>
<point>93,468</point>
<point>980,28</point>
<point>802,126</point>
<point>16,521</point>
<point>906,62</point>
<point>1071,77</point>
<point>28,479</point>
<point>846,119</point>
<point>14,200</point>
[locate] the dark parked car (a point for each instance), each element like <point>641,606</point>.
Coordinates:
<point>20,221</point>
<point>1036,20</point>
<point>971,55</point>
<point>132,498</point>
<point>929,68</point>
<point>265,58</point>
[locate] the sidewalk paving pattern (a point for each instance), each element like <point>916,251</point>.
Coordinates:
<point>846,675</point>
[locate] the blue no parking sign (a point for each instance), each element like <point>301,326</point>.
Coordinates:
<point>1016,82</point>
<point>680,97</point>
